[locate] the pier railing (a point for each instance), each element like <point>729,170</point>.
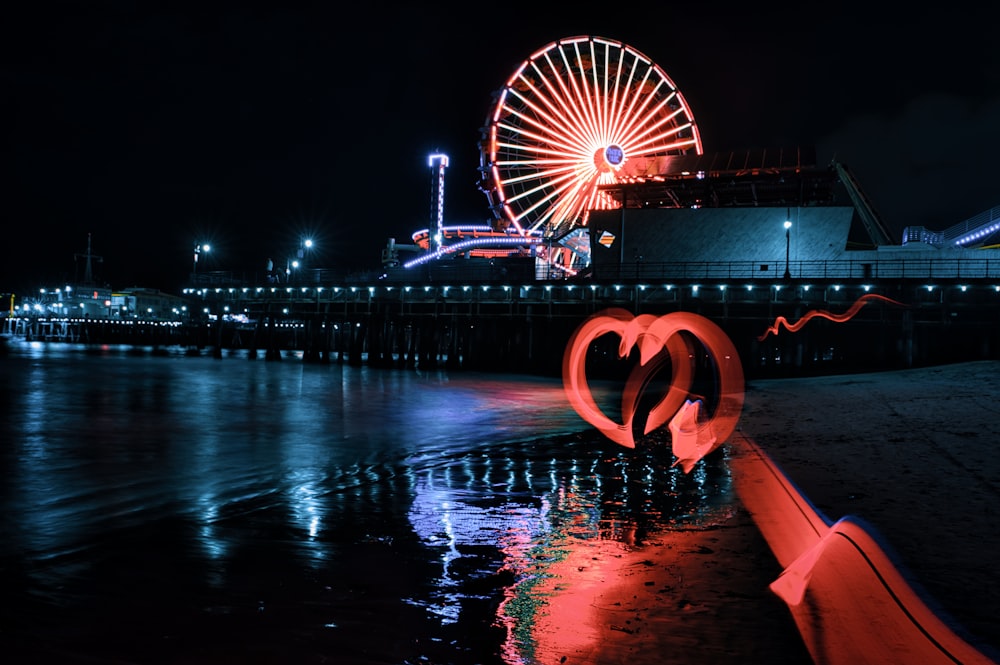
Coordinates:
<point>455,271</point>
<point>952,268</point>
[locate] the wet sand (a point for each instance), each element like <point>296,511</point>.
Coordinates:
<point>683,597</point>
<point>913,453</point>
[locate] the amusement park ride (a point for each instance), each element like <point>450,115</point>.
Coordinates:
<point>587,124</point>
<point>579,115</point>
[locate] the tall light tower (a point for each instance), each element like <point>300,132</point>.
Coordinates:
<point>437,199</point>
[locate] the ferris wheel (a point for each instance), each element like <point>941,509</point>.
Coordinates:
<point>578,114</point>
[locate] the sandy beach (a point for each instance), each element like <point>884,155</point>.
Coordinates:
<point>910,452</point>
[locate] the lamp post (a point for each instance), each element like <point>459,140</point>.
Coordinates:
<point>788,243</point>
<point>305,244</point>
<point>198,249</point>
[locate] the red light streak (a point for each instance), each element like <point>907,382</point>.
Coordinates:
<point>845,592</point>
<point>821,313</point>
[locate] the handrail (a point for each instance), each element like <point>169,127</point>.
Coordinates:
<point>686,271</point>
<point>853,269</point>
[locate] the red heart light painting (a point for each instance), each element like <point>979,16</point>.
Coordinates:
<point>660,340</point>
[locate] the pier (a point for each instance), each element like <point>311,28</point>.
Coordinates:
<point>462,317</point>
<point>747,241</point>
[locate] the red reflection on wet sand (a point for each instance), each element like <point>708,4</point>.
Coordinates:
<point>659,341</point>
<point>822,313</point>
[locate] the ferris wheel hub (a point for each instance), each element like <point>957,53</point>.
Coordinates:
<point>609,159</point>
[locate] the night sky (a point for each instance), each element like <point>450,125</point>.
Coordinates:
<point>250,125</point>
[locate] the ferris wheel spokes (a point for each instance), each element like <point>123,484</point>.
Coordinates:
<point>568,121</point>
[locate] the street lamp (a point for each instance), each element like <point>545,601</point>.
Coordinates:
<point>198,249</point>
<point>788,242</point>
<point>305,244</point>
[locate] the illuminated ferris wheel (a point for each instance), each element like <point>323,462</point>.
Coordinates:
<point>578,114</point>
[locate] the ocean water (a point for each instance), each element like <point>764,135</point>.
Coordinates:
<point>175,509</point>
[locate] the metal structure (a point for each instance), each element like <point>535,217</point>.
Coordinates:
<point>978,231</point>
<point>89,257</point>
<point>734,179</point>
<point>866,210</point>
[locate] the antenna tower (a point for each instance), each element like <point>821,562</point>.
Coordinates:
<point>88,272</point>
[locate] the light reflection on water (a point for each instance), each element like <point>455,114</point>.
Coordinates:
<point>226,489</point>
<point>539,506</point>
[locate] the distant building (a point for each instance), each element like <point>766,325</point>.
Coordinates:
<point>144,303</point>
<point>100,302</point>
<point>88,302</point>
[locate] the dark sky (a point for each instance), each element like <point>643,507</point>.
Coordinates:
<point>250,125</point>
